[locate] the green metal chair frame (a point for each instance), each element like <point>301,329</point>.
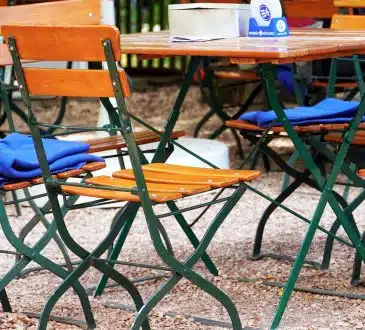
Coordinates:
<point>120,223</point>
<point>323,183</point>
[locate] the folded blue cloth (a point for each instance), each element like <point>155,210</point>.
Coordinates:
<point>327,111</point>
<point>18,159</point>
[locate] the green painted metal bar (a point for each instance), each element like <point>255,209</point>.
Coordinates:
<point>340,239</point>
<point>332,79</point>
<point>175,112</point>
<point>192,237</point>
<point>269,76</point>
<point>117,248</point>
<point>190,208</point>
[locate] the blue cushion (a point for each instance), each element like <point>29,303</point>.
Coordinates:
<point>18,159</point>
<point>327,111</point>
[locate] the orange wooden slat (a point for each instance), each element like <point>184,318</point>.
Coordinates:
<point>185,189</point>
<point>309,8</point>
<point>118,195</point>
<point>362,172</point>
<point>63,43</point>
<point>237,75</point>
<point>70,173</point>
<point>78,83</point>
<point>118,142</point>
<point>94,166</point>
<point>350,3</point>
<point>71,12</point>
<point>348,22</point>
<point>16,185</point>
<point>215,182</point>
<point>338,85</point>
<point>337,138</point>
<point>241,175</point>
<point>243,125</point>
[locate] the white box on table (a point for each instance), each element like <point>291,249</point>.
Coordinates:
<point>206,21</point>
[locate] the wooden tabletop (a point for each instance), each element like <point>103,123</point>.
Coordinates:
<point>302,44</point>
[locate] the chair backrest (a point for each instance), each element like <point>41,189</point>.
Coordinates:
<point>3,3</point>
<point>72,43</point>
<point>71,12</point>
<point>349,21</point>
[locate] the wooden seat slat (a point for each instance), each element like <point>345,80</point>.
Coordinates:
<point>185,189</point>
<point>241,175</point>
<point>237,75</point>
<point>94,166</point>
<point>214,182</point>
<point>118,142</point>
<point>359,139</point>
<point>70,173</point>
<point>119,195</point>
<point>16,185</point>
<point>346,85</point>
<point>243,125</point>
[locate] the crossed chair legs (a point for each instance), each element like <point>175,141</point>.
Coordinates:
<point>300,178</point>
<point>33,254</point>
<point>179,269</point>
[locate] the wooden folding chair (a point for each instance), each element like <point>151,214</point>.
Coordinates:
<point>143,186</point>
<point>230,75</point>
<point>65,12</point>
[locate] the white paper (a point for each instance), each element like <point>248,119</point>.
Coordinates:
<point>203,22</point>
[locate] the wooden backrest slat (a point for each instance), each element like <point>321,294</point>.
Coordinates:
<point>350,3</point>
<point>348,22</point>
<point>309,8</point>
<point>63,43</point>
<point>71,12</point>
<point>3,3</point>
<point>76,83</point>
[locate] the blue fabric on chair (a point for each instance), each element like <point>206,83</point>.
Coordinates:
<point>286,78</point>
<point>325,112</point>
<point>18,159</point>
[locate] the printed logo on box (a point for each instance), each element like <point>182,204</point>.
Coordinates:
<point>281,26</point>
<point>265,13</point>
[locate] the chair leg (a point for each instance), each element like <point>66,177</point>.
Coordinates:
<point>286,178</point>
<point>192,237</point>
<point>33,254</point>
<point>90,259</point>
<point>184,270</point>
<point>5,301</point>
<point>334,228</point>
<point>356,271</point>
<point>115,251</point>
<point>266,215</point>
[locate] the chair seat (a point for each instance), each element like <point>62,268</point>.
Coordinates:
<point>90,167</point>
<point>164,182</point>
<point>118,142</point>
<point>96,145</point>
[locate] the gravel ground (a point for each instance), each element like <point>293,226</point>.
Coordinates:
<point>239,276</point>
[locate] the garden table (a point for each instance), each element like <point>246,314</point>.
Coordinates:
<point>301,45</point>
